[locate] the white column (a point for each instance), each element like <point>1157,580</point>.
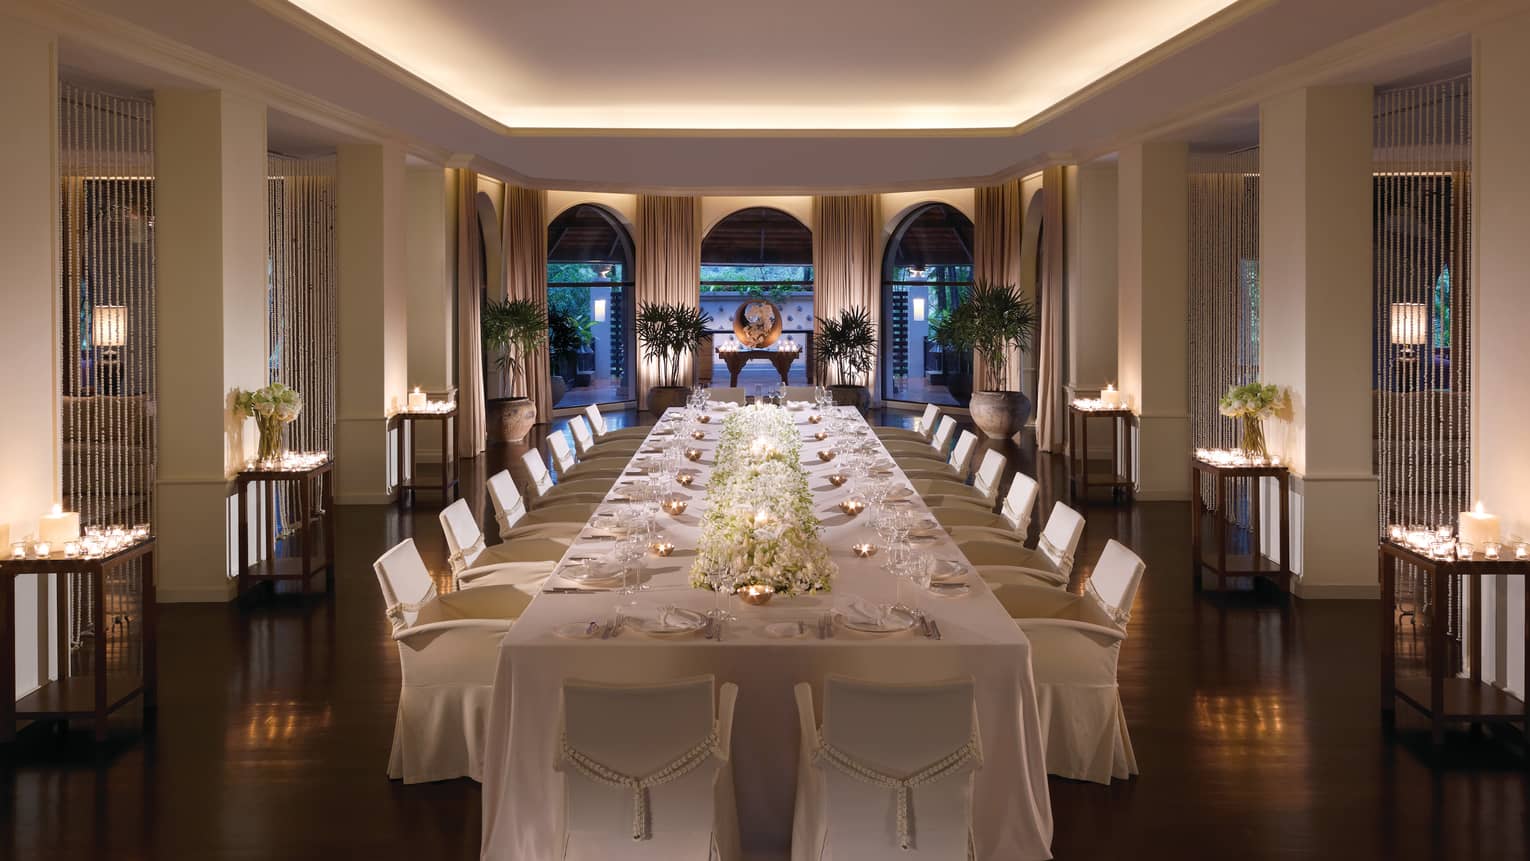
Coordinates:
<point>373,331</point>
<point>1500,307</point>
<point>211,201</point>
<point>1316,192</point>
<point>1090,232</point>
<point>29,345</point>
<point>1152,223</point>
<point>429,287</point>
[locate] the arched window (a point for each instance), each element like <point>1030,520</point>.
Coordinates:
<point>759,253</point>
<point>926,272</point>
<point>589,307</point>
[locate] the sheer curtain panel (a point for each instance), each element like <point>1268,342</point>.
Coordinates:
<point>470,276</point>
<point>668,267</point>
<point>524,240</point>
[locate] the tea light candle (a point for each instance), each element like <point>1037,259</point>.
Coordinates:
<point>58,525</point>
<point>684,479</point>
<point>761,517</point>
<point>704,418</point>
<point>838,479</point>
<point>675,506</point>
<point>1491,550</point>
<point>693,454</point>
<point>1396,534</point>
<point>852,506</point>
<point>698,435</point>
<point>756,593</point>
<point>821,436</point>
<point>1464,550</point>
<point>42,549</point>
<point>826,455</point>
<point>662,548</point>
<point>1110,397</point>
<point>417,400</point>
<point>1522,551</point>
<point>1477,526</point>
<point>814,419</point>
<point>19,550</point>
<point>72,549</point>
<point>864,550</point>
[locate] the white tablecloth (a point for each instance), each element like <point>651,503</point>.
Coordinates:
<point>522,793</point>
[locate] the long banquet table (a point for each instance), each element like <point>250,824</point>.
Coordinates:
<point>522,791</point>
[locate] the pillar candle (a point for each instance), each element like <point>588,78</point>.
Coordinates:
<point>58,526</point>
<point>1477,526</point>
<point>416,399</point>
<point>1110,397</point>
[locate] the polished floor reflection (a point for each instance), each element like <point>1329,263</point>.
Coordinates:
<point>1255,724</point>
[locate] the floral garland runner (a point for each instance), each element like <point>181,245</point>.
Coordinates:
<point>759,528</point>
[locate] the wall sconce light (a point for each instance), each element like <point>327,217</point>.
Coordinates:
<point>600,311</point>
<point>919,309</point>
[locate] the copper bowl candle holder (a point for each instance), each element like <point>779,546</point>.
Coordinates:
<point>814,419</point>
<point>864,550</point>
<point>696,434</point>
<point>838,479</point>
<point>693,454</point>
<point>821,436</point>
<point>684,479</point>
<point>704,418</point>
<point>826,455</point>
<point>662,548</point>
<point>756,594</point>
<point>852,507</point>
<point>674,506</point>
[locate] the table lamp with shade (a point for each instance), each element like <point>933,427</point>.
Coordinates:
<point>108,328</point>
<point>1410,329</point>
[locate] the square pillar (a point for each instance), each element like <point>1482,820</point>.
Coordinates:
<point>1153,223</point>
<point>211,202</point>
<point>1089,214</point>
<point>430,295</point>
<point>29,328</point>
<point>372,329</point>
<point>1315,235</point>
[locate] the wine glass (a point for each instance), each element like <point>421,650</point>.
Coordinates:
<point>630,549</point>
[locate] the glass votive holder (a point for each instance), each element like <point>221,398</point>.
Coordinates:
<point>662,548</point>
<point>1521,551</point>
<point>693,454</point>
<point>1492,550</point>
<point>826,455</point>
<point>814,419</point>
<point>674,506</point>
<point>1464,551</point>
<point>704,418</point>
<point>1444,533</point>
<point>756,594</point>
<point>1396,534</point>
<point>864,550</point>
<point>71,549</point>
<point>852,506</point>
<point>821,435</point>
<point>838,479</point>
<point>698,435</point>
<point>42,549</point>
<point>18,550</point>
<point>685,479</point>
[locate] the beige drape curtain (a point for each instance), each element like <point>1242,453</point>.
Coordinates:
<point>668,268</point>
<point>847,264</point>
<point>1050,429</point>
<point>996,253</point>
<point>523,242</point>
<point>470,279</point>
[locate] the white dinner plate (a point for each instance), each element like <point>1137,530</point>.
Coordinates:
<point>948,571</point>
<point>901,491</point>
<point>925,529</point>
<point>895,621</point>
<point>592,572</point>
<point>669,622</point>
<point>577,630</point>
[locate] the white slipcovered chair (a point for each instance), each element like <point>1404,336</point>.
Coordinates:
<point>604,433</point>
<point>448,650</point>
<point>728,395</point>
<point>1012,523</point>
<point>956,468</point>
<point>524,563</point>
<point>889,773</point>
<point>553,521</point>
<point>571,468</point>
<point>1050,561</point>
<point>545,492</point>
<point>912,452</point>
<point>981,496</point>
<point>647,773</point>
<point>587,444</point>
<point>923,428</point>
<point>1075,651</point>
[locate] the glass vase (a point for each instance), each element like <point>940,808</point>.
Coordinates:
<point>272,441</point>
<point>1253,437</point>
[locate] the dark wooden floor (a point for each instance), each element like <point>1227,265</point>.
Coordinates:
<point>1255,725</point>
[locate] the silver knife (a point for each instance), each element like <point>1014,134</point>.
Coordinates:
<point>934,629</point>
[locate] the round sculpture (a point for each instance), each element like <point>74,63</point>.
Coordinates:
<point>757,323</point>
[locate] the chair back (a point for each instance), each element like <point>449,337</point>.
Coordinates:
<point>1019,502</point>
<point>928,420</point>
<point>1115,579</point>
<point>611,732</point>
<point>406,583</point>
<point>988,474</point>
<point>1060,537</point>
<point>597,421</point>
<point>563,453</point>
<point>960,460</point>
<point>944,429</point>
<point>584,440</point>
<point>541,479</point>
<point>509,507</point>
<point>728,394</point>
<point>800,393</point>
<point>464,540</point>
<point>902,732</point>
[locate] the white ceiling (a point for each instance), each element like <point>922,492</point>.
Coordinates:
<point>743,64</point>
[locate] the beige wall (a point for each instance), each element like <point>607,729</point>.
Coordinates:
<point>1090,231</point>
<point>623,205</point>
<point>1500,306</point>
<point>897,205</point>
<point>29,327</point>
<point>429,282</point>
<point>715,209</point>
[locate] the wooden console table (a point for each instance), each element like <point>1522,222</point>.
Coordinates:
<point>111,680</point>
<point>1119,479</point>
<point>407,483</point>
<point>1441,697</point>
<point>313,529</point>
<point>737,359</point>
<point>1215,558</point>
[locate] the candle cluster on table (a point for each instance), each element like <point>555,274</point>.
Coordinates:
<point>98,541</point>
<point>290,461</point>
<point>1099,404</point>
<point>420,402</point>
<point>762,448</point>
<point>1476,537</point>
<point>1234,457</point>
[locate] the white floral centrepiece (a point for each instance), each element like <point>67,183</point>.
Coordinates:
<point>759,528</point>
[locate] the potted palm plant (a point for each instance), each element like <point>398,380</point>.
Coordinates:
<point>848,345</point>
<point>993,320</point>
<point>512,331</point>
<point>669,333</point>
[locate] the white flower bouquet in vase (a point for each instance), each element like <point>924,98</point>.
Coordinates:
<point>273,407</point>
<point>1252,403</point>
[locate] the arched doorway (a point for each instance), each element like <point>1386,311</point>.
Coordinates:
<point>926,272</point>
<point>589,307</point>
<point>759,252</point>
